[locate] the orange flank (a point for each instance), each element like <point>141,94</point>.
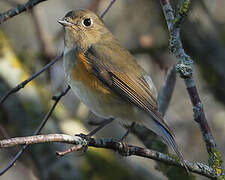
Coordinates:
<point>81,72</point>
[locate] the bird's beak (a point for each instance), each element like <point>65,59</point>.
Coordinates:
<point>64,22</point>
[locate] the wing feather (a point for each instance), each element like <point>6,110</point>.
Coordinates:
<point>131,85</point>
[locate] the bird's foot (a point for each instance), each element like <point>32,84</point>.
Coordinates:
<point>87,137</point>
<point>124,148</point>
<point>81,146</point>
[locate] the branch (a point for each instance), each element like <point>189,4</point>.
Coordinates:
<point>150,139</point>
<point>108,143</point>
<point>19,9</point>
<point>107,9</point>
<point>166,91</point>
<point>24,83</point>
<point>38,130</point>
<point>55,98</point>
<point>184,67</point>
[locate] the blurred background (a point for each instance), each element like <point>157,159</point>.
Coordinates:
<point>30,40</point>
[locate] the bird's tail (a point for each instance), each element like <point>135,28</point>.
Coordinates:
<point>167,137</point>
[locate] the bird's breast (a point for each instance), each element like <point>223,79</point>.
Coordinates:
<point>91,91</point>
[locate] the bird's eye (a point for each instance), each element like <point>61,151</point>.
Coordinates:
<point>87,22</point>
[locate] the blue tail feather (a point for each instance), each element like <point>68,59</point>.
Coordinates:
<point>169,140</point>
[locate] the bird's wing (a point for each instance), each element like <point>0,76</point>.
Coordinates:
<point>133,84</point>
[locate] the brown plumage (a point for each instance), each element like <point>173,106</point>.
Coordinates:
<point>107,78</point>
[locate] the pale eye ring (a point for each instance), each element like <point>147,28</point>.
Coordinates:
<point>87,22</point>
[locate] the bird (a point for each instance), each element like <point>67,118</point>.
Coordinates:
<point>107,78</point>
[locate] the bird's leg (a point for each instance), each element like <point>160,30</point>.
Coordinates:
<point>94,131</point>
<point>125,151</point>
<point>87,137</point>
<point>123,139</point>
<point>103,124</point>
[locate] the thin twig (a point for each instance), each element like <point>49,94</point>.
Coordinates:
<point>56,98</point>
<point>38,130</point>
<point>19,9</point>
<point>24,83</point>
<point>72,149</point>
<point>107,9</point>
<point>81,143</point>
<point>166,91</point>
<point>103,124</point>
<point>184,67</point>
